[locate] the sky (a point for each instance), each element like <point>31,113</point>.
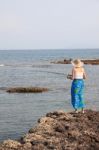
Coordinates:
<point>49,24</point>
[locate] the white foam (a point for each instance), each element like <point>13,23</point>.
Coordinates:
<point>1,65</point>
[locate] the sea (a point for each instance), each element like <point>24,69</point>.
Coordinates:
<point>25,68</point>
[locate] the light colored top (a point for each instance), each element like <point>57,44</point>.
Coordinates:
<point>78,76</point>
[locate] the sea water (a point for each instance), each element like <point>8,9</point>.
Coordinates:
<point>19,112</point>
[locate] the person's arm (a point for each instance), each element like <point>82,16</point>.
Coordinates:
<point>73,74</point>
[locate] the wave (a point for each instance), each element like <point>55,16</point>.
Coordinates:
<point>1,65</point>
<point>27,65</point>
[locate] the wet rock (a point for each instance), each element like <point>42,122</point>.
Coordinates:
<point>26,90</point>
<point>85,61</point>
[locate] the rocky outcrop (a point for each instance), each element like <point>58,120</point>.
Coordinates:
<point>87,61</point>
<point>91,61</point>
<point>60,131</point>
<point>26,90</point>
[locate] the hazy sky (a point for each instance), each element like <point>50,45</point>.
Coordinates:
<point>38,24</point>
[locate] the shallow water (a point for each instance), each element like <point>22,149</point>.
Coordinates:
<point>19,112</point>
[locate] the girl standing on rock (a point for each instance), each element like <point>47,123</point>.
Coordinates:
<point>77,87</point>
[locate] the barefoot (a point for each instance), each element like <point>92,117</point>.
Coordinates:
<point>83,111</point>
<point>76,111</point>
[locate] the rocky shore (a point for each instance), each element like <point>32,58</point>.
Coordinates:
<point>60,131</point>
<point>85,61</point>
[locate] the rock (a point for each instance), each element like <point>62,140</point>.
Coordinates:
<point>10,144</point>
<point>26,90</point>
<point>85,61</point>
<point>59,130</point>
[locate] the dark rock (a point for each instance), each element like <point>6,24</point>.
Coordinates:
<point>59,128</point>
<point>87,61</point>
<point>26,90</point>
<point>60,131</point>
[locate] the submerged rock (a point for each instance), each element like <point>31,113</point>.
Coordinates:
<point>60,131</point>
<point>85,61</point>
<point>26,90</point>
